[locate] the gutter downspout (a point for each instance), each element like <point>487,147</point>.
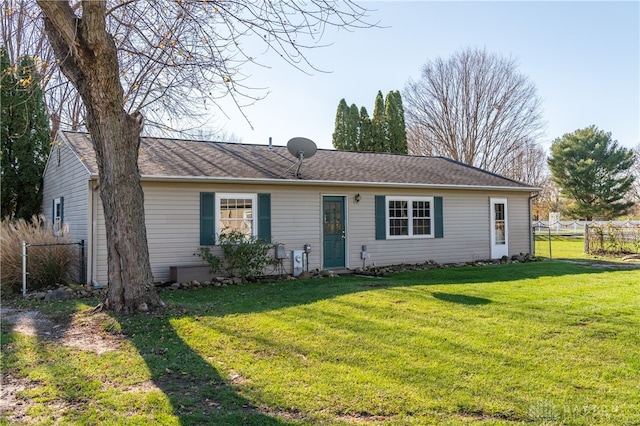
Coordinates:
<point>532,238</point>
<point>93,247</point>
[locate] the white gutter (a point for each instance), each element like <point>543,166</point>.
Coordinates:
<point>199,179</point>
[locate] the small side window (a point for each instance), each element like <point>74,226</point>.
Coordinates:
<point>58,216</point>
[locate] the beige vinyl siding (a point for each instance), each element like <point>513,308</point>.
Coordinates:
<point>295,221</point>
<point>173,224</point>
<point>99,267</point>
<point>172,215</point>
<point>65,176</point>
<point>466,229</point>
<point>519,224</point>
<point>173,230</point>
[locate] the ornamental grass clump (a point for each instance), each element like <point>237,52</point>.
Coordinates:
<point>50,260</point>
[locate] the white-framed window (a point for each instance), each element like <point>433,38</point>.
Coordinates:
<point>236,212</point>
<point>58,205</point>
<point>409,217</point>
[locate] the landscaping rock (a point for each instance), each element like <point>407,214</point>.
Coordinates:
<point>58,294</point>
<point>81,291</point>
<point>40,295</point>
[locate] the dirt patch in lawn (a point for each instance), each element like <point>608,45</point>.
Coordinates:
<point>84,331</point>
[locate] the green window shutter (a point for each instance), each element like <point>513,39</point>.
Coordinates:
<point>53,212</point>
<point>61,210</point>
<point>438,217</point>
<point>264,217</point>
<point>207,218</point>
<point>381,218</point>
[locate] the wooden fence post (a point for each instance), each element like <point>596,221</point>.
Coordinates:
<point>586,238</point>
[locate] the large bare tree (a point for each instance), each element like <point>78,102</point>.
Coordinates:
<point>189,50</point>
<point>476,108</point>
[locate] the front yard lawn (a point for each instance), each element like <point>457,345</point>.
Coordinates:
<point>535,343</point>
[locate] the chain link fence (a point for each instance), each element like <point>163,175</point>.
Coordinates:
<point>52,263</point>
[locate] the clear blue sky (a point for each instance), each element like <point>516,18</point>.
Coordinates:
<point>584,58</point>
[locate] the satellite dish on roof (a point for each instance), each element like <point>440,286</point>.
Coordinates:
<point>301,148</point>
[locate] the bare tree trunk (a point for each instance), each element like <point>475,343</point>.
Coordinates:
<point>88,57</point>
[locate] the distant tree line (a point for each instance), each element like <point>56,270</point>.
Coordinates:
<point>384,132</point>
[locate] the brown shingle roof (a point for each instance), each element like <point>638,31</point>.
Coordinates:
<point>173,158</point>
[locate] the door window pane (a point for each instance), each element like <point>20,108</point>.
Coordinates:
<point>332,217</point>
<point>499,223</point>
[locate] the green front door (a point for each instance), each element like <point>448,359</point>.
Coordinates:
<point>334,232</point>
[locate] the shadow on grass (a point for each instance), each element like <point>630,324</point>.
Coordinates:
<point>203,392</point>
<point>190,370</point>
<point>461,299</point>
<point>196,390</point>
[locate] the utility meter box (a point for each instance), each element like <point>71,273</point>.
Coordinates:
<point>297,260</point>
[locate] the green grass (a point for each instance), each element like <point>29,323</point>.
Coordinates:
<point>562,247</point>
<point>567,247</point>
<point>537,343</point>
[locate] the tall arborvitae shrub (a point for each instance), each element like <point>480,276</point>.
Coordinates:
<point>379,126</point>
<point>384,132</point>
<point>366,131</point>
<point>339,138</point>
<point>396,129</point>
<point>24,138</point>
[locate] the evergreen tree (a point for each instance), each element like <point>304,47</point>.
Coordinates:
<point>395,125</point>
<point>346,135</point>
<point>339,138</point>
<point>353,128</point>
<point>365,139</point>
<point>385,132</point>
<point>594,171</point>
<point>379,125</point>
<point>24,136</point>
